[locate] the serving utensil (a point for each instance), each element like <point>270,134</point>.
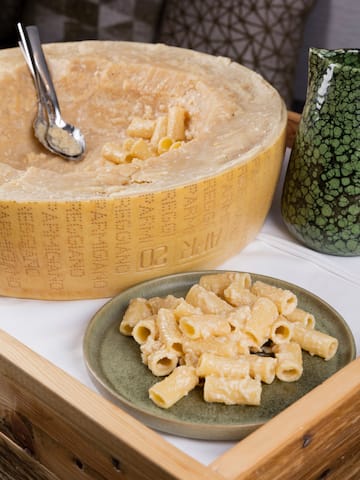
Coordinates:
<point>50,128</point>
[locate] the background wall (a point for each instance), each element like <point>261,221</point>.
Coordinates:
<point>331,24</point>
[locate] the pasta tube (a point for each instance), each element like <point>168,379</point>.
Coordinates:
<point>176,123</point>
<point>219,345</point>
<point>184,308</point>
<point>204,325</point>
<point>232,391</point>
<point>174,387</point>
<point>210,364</point>
<point>149,347</point>
<point>141,127</point>
<point>145,329</point>
<point>208,301</point>
<point>137,310</point>
<point>169,333</point>
<point>285,300</point>
<point>243,342</point>
<point>128,143</point>
<point>281,330</point>
<point>164,145</point>
<point>141,149</point>
<point>238,317</point>
<point>290,365</point>
<point>237,295</point>
<point>306,319</point>
<point>162,362</point>
<point>114,153</point>
<point>218,282</point>
<point>160,130</point>
<point>175,146</point>
<point>263,368</point>
<point>315,342</point>
<point>263,315</point>
<point>169,302</point>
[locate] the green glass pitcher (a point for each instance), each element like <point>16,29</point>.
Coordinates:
<point>320,201</point>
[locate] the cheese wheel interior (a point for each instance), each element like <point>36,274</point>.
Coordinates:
<point>231,114</point>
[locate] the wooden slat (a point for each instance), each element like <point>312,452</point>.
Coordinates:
<point>317,437</point>
<point>16,463</point>
<point>292,126</point>
<point>75,433</point>
<point>58,428</point>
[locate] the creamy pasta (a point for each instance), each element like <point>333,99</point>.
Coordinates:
<point>214,336</point>
<point>147,138</point>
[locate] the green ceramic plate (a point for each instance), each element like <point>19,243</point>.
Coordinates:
<point>115,367</point>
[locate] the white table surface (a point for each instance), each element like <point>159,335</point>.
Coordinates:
<point>55,329</point>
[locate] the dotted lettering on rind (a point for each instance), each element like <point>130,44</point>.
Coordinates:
<point>8,261</point>
<point>75,240</point>
<point>146,217</point>
<point>198,244</point>
<point>99,224</point>
<point>153,257</point>
<point>52,251</point>
<point>123,224</point>
<point>27,242</point>
<point>168,213</point>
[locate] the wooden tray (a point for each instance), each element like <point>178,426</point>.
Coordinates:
<point>53,427</point>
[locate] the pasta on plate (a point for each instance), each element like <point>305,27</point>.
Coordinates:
<point>228,335</point>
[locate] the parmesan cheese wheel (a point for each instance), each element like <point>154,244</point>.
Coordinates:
<point>72,230</point>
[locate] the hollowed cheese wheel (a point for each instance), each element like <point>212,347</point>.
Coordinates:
<point>71,230</point>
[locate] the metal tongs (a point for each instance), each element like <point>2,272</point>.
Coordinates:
<point>50,129</point>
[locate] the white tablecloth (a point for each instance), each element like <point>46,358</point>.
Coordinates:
<point>55,329</point>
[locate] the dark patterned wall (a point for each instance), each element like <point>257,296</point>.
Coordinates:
<point>72,20</point>
<point>264,35</point>
<point>59,20</point>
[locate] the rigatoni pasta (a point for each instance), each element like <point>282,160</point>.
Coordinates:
<point>162,362</point>
<point>137,310</point>
<point>178,384</point>
<point>285,300</point>
<point>215,339</point>
<point>211,364</point>
<point>306,319</point>
<point>289,366</point>
<point>263,368</point>
<point>169,332</point>
<point>176,123</point>
<point>204,325</point>
<point>258,325</point>
<point>219,282</point>
<point>206,300</point>
<point>315,342</point>
<point>149,137</point>
<point>232,391</point>
<point>145,329</point>
<point>281,331</point>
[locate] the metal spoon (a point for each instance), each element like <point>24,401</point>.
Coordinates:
<point>40,123</point>
<point>54,133</point>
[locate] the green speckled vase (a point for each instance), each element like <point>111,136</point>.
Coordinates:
<point>321,196</point>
